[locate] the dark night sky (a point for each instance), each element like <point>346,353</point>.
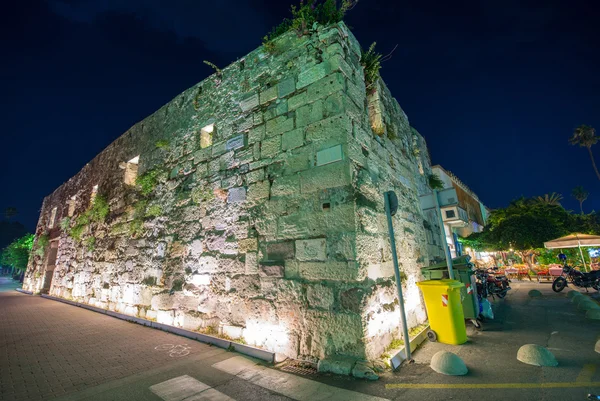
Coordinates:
<point>496,87</point>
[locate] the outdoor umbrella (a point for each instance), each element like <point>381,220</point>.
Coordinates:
<point>574,241</point>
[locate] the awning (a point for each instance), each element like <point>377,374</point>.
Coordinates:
<point>573,241</point>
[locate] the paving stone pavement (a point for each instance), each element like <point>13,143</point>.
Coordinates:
<point>49,349</point>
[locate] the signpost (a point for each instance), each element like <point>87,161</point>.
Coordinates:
<point>391,207</point>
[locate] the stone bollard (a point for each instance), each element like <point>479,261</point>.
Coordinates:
<point>587,305</point>
<point>573,293</point>
<point>447,363</point>
<point>535,294</point>
<point>533,354</point>
<point>593,314</point>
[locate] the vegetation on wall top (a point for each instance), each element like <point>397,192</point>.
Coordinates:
<point>305,14</point>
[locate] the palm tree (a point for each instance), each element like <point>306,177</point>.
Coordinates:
<point>585,136</point>
<point>581,195</point>
<point>550,199</point>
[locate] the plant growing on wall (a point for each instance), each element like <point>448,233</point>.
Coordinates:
<point>97,213</point>
<point>371,62</point>
<point>434,182</point>
<point>162,144</point>
<point>65,223</point>
<point>147,182</point>
<point>41,244</point>
<point>90,243</point>
<point>305,14</point>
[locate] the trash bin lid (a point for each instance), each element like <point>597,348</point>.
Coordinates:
<point>441,283</point>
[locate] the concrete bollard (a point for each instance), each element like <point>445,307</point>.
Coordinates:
<point>533,354</point>
<point>447,363</point>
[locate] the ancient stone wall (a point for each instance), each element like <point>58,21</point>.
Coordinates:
<point>259,214</point>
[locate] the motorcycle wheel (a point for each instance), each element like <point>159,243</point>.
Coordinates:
<point>559,284</point>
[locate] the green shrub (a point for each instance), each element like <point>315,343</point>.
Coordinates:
<point>371,62</point>
<point>148,181</point>
<point>90,243</point>
<point>435,182</point>
<point>77,231</point>
<point>65,223</point>
<point>162,144</point>
<point>178,284</point>
<point>99,210</point>
<point>154,211</point>
<point>306,14</point>
<point>41,245</point>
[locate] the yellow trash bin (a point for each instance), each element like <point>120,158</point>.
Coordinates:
<point>444,308</point>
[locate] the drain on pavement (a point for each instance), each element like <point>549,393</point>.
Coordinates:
<point>300,368</point>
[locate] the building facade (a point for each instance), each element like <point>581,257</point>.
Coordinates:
<point>462,211</point>
<point>251,206</point>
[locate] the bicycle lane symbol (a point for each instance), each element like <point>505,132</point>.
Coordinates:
<point>174,351</point>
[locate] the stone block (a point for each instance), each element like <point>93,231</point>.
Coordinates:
<point>196,248</point>
<point>259,190</point>
<point>329,155</point>
<point>255,175</point>
<point>276,109</point>
<point>165,317</point>
<point>297,162</point>
<point>249,102</point>
<point>270,146</point>
<point>279,125</point>
<point>330,270</point>
<point>319,296</point>
<point>286,87</point>
<point>297,100</point>
<point>247,245</point>
<point>268,94</point>
<point>311,249</point>
<point>309,113</point>
<point>251,264</point>
<point>330,132</point>
<point>256,134</point>
<point>288,185</point>
<point>312,74</point>
<point>202,155</point>
<point>326,86</point>
<point>352,299</point>
<point>292,139</point>
<point>324,177</point>
<point>236,195</point>
<point>280,250</point>
<point>271,270</point>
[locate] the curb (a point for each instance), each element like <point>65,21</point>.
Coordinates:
<point>248,350</point>
<point>23,291</point>
<point>400,356</point>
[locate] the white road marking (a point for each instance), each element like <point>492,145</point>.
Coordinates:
<point>186,388</point>
<point>287,384</point>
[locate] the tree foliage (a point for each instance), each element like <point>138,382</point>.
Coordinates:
<point>581,195</point>
<point>525,224</point>
<point>16,254</point>
<point>585,136</point>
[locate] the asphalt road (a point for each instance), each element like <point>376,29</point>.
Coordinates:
<point>50,350</point>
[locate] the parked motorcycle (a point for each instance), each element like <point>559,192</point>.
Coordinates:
<point>577,278</point>
<point>491,284</point>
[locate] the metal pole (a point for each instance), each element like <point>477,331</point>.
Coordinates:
<point>397,272</point>
<point>581,253</point>
<point>443,233</point>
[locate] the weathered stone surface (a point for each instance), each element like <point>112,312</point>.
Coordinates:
<point>319,296</point>
<point>533,354</point>
<point>271,270</point>
<point>311,250</point>
<point>362,370</point>
<point>338,365</point>
<point>274,162</point>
